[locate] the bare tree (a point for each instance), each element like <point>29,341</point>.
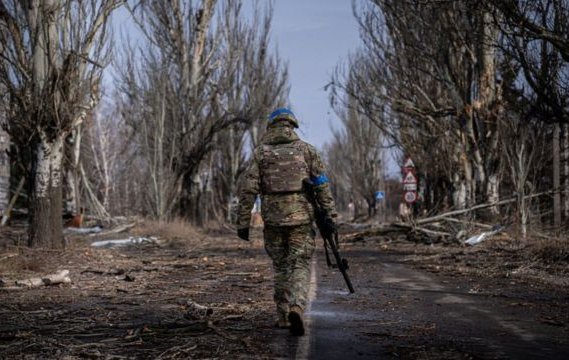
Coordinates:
<point>224,79</point>
<point>53,53</point>
<point>523,149</point>
<point>454,102</point>
<point>362,144</point>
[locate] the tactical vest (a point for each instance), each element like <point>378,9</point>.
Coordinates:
<point>283,168</point>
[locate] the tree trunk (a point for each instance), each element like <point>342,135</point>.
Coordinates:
<point>46,222</point>
<point>566,171</point>
<point>488,102</point>
<point>556,178</point>
<point>73,174</point>
<point>459,195</point>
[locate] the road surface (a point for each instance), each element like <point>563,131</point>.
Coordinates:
<point>399,312</point>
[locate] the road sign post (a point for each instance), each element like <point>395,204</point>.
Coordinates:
<point>409,182</point>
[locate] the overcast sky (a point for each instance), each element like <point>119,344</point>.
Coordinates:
<point>313,36</point>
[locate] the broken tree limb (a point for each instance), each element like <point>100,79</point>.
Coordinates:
<point>116,230</point>
<point>91,230</point>
<point>474,208</point>
<point>432,232</point>
<point>196,311</point>
<point>6,215</point>
<point>419,225</point>
<point>468,222</point>
<point>125,242</point>
<point>61,277</point>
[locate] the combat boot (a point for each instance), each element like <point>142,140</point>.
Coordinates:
<point>295,317</point>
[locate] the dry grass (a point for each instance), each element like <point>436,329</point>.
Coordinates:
<point>174,232</point>
<point>23,260</point>
<point>551,251</point>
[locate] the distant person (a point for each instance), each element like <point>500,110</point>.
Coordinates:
<point>279,167</point>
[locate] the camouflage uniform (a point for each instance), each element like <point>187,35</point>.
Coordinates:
<point>288,216</point>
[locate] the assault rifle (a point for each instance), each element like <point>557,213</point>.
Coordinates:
<point>329,233</point>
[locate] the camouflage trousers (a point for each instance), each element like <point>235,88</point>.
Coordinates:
<point>290,248</point>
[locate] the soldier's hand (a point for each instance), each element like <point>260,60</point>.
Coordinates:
<point>243,234</point>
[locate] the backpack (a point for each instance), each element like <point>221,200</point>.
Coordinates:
<point>283,168</point>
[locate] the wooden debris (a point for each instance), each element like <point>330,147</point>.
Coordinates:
<point>431,229</point>
<point>8,211</point>
<point>61,277</point>
<point>117,230</point>
<point>196,311</point>
<point>125,242</point>
<point>79,230</point>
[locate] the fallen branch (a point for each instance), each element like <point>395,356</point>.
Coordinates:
<point>196,311</point>
<point>431,232</point>
<point>61,277</point>
<point>7,212</point>
<point>414,225</point>
<point>91,230</point>
<point>8,256</point>
<point>116,230</point>
<point>125,242</point>
<point>474,208</point>
<point>468,222</point>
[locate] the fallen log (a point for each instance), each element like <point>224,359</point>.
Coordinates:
<point>61,277</point>
<point>125,242</point>
<point>90,230</point>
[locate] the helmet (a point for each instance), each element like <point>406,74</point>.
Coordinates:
<point>283,114</point>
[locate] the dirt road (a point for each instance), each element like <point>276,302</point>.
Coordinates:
<point>140,303</point>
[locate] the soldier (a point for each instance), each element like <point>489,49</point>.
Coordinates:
<point>277,171</point>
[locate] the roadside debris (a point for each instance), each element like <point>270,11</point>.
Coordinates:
<point>61,277</point>
<point>484,236</point>
<point>117,230</point>
<point>450,227</point>
<point>89,230</point>
<point>139,240</point>
<point>195,311</point>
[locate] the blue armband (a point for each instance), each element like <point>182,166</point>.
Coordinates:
<point>319,180</point>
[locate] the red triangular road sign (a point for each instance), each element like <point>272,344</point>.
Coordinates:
<point>409,163</point>
<point>409,178</point>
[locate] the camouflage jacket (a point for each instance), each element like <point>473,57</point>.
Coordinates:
<point>283,209</point>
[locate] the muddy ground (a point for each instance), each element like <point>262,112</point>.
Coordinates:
<point>497,300</point>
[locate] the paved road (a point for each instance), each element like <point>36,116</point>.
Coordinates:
<point>399,312</point>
